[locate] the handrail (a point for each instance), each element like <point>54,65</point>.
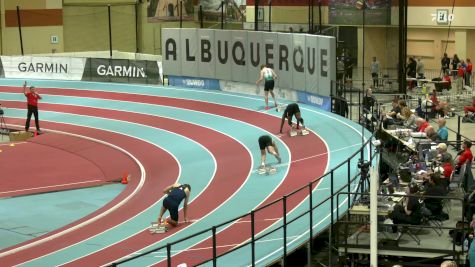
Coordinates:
<point>252,213</point>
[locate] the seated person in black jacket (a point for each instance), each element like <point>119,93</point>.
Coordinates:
<point>410,211</point>
<point>434,188</point>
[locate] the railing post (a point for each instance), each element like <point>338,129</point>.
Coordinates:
<point>222,14</point>
<point>253,241</point>
<point>169,255</point>
<point>201,16</point>
<point>214,245</point>
<point>459,136</point>
<point>330,229</point>
<point>310,230</point>
<point>19,28</point>
<point>284,204</point>
<point>349,183</point>
<point>110,29</point>
<point>181,14</point>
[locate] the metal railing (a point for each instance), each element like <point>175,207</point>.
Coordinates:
<point>438,228</point>
<point>307,191</point>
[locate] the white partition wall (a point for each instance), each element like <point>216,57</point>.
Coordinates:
<point>302,62</point>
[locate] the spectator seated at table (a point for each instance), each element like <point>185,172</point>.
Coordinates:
<point>391,116</point>
<point>448,80</point>
<point>447,164</point>
<point>438,107</point>
<point>443,131</point>
<point>434,188</point>
<point>471,108</point>
<point>410,211</point>
<point>407,117</point>
<point>432,134</point>
<point>465,155</point>
<point>421,125</point>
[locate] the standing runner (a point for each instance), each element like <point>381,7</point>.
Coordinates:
<point>269,76</point>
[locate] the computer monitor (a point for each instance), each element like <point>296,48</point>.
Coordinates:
<point>394,180</point>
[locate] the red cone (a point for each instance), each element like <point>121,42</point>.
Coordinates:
<point>125,179</point>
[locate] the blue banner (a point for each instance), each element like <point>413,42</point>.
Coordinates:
<point>323,102</point>
<point>193,82</point>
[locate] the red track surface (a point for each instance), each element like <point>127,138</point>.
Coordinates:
<point>300,172</point>
<point>220,188</point>
<point>32,167</point>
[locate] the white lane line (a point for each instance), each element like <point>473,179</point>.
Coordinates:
<point>95,218</point>
<point>49,186</point>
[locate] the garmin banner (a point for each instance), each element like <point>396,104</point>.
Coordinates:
<point>28,67</point>
<point>301,61</point>
<point>122,71</point>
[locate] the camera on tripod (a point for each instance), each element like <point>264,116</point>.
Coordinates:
<point>363,165</point>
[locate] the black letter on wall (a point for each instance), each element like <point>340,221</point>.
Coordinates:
<point>323,63</point>
<point>188,56</point>
<point>170,51</point>
<point>299,67</point>
<point>205,47</point>
<point>311,60</point>
<point>223,59</point>
<point>269,55</point>
<point>239,61</point>
<point>283,55</point>
<point>256,51</point>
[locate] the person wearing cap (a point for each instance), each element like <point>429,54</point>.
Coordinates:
<point>444,155</point>
<point>443,132</point>
<point>32,98</point>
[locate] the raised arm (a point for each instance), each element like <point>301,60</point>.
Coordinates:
<point>24,88</point>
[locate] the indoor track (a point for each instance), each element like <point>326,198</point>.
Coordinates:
<point>202,137</point>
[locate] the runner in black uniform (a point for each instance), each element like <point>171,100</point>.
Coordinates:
<point>269,76</point>
<point>290,111</point>
<point>175,194</point>
<point>266,142</point>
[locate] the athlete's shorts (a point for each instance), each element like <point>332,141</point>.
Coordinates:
<point>172,207</point>
<point>269,85</point>
<point>264,141</point>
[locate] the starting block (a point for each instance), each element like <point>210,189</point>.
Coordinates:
<point>294,132</point>
<point>280,107</point>
<point>267,170</point>
<point>157,229</point>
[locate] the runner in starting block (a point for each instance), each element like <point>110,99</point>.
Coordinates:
<point>176,193</point>
<point>266,143</point>
<point>290,111</point>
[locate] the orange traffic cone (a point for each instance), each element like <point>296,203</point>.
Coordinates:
<point>125,178</point>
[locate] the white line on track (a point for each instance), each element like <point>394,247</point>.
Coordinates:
<point>49,186</point>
